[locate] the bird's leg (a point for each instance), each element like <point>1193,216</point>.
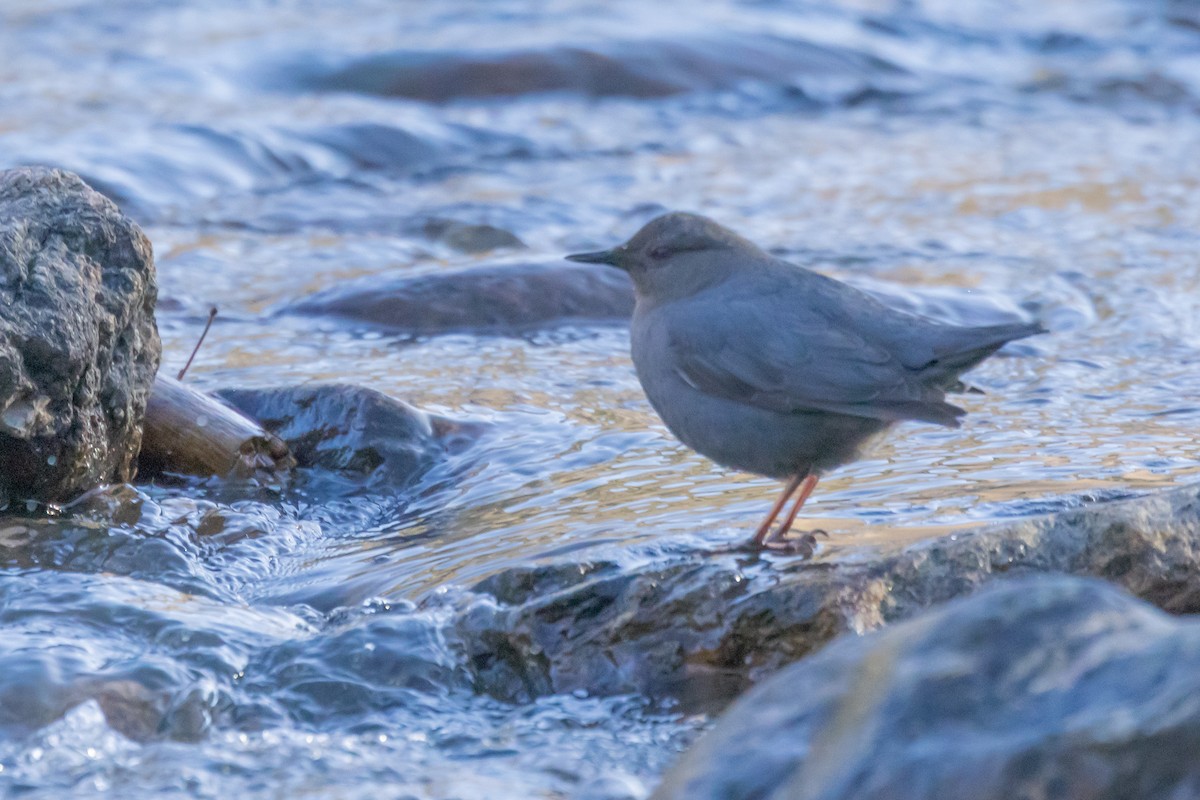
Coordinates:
<point>804,545</point>
<point>806,488</point>
<point>761,536</point>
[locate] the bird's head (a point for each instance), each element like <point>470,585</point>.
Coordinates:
<point>677,255</point>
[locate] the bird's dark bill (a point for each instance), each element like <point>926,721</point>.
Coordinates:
<point>598,257</point>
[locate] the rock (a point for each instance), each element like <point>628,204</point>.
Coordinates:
<point>144,715</point>
<point>30,700</point>
<point>350,429</point>
<point>468,238</point>
<point>638,67</point>
<point>78,343</point>
<point>142,675</point>
<point>507,299</point>
<point>517,298</point>
<point>1048,687</point>
<point>679,622</point>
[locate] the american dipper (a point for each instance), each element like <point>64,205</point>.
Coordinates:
<point>768,367</point>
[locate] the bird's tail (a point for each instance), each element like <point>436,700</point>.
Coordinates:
<point>972,345</point>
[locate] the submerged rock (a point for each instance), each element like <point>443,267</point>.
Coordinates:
<point>518,298</point>
<point>470,238</point>
<point>506,299</point>
<point>687,623</point>
<point>634,68</point>
<point>146,672</point>
<point>78,343</point>
<point>351,429</point>
<point>1053,687</point>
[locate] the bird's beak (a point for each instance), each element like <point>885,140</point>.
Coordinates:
<point>610,257</point>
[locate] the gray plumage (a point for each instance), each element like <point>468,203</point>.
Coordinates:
<point>767,367</point>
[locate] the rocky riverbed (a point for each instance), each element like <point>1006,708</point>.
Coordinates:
<point>491,573</point>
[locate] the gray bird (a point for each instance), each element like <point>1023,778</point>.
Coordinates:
<point>767,367</point>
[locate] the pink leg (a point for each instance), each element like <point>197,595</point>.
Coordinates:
<point>806,488</point>
<point>760,537</point>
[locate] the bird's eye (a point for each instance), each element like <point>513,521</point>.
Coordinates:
<point>659,253</point>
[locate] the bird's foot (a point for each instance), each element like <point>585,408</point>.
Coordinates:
<point>803,545</point>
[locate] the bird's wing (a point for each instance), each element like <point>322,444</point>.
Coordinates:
<point>768,353</point>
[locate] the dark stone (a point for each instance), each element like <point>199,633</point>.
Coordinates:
<point>78,344</point>
<point>510,299</point>
<point>350,429</point>
<point>633,68</point>
<point>506,299</point>
<point>674,619</point>
<point>141,674</point>
<point>466,237</point>
<point>1046,687</point>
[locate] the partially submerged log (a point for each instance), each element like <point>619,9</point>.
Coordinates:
<point>188,432</point>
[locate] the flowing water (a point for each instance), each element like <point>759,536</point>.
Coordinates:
<point>976,160</point>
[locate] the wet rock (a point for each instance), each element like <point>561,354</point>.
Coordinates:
<point>470,238</point>
<point>519,298</point>
<point>683,622</point>
<point>142,674</point>
<point>39,689</point>
<point>636,68</point>
<point>506,299</point>
<point>163,667</point>
<point>144,715</point>
<point>350,429</point>
<point>1050,687</point>
<point>78,343</point>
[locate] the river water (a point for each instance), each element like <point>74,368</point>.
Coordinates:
<point>976,160</point>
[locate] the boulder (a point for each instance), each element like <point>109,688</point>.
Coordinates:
<point>353,431</point>
<point>467,237</point>
<point>636,67</point>
<point>521,297</point>
<point>667,619</point>
<point>493,299</point>
<point>1047,687</point>
<point>78,343</point>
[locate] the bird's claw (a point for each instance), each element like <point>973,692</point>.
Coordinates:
<point>803,546</point>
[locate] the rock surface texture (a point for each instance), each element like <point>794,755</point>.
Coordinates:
<point>353,430</point>
<point>665,620</point>
<point>1049,687</point>
<point>78,343</point>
